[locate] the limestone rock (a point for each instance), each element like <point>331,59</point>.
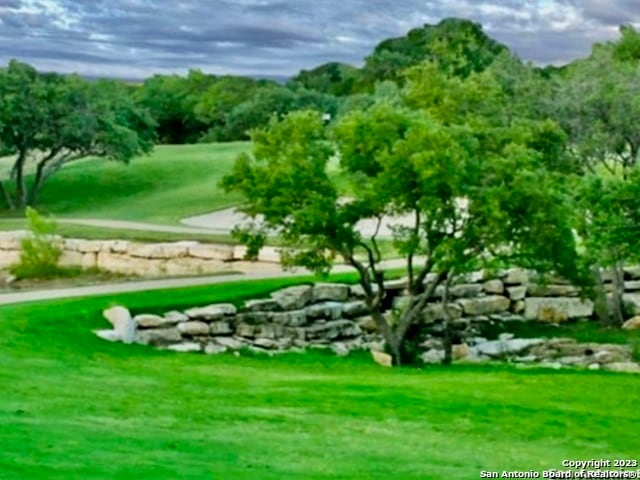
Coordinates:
<point>90,246</point>
<point>246,330</point>
<point>632,324</point>
<point>556,310</point>
<point>625,367</point>
<point>194,328</point>
<point>269,330</point>
<point>159,250</point>
<point>632,272</point>
<point>382,359</point>
<point>333,330</point>
<point>109,335</point>
<point>326,310</point>
<point>484,305</point>
<point>460,351</point>
<point>436,313</point>
<point>354,309</point>
<point>212,312</point>
<point>71,259</point>
<point>499,348</point>
<point>265,343</point>
<point>294,318</point>
<point>158,336</point>
<point>122,323</point>
<point>229,342</point>
<point>220,328</point>
<point>367,323</point>
<point>266,305</point>
<point>334,292</point>
<point>516,276</point>
<point>494,286</point>
<point>632,286</point>
<point>340,349</point>
<point>535,290</point>
<point>185,347</point>
<point>465,290</point>
<point>396,285</point>
<point>517,293</point>
<point>211,252</point>
<point>293,298</point>
<point>147,320</point>
<point>358,292</point>
<point>175,317</point>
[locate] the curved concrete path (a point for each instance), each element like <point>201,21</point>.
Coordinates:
<point>128,225</point>
<point>223,221</point>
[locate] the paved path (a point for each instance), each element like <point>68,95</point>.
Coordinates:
<point>167,283</point>
<point>222,221</point>
<point>136,286</point>
<point>148,227</point>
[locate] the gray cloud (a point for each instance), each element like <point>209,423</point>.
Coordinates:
<point>135,38</point>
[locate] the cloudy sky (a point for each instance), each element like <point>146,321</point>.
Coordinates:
<point>136,38</point>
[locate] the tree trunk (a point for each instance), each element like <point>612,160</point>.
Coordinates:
<point>617,319</point>
<point>21,188</point>
<point>7,197</point>
<point>390,338</point>
<point>447,341</point>
<point>601,303</point>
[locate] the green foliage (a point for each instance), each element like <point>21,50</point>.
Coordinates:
<point>331,78</point>
<point>460,47</point>
<point>173,101</point>
<point>52,120</point>
<point>478,187</point>
<point>41,251</point>
<point>597,102</point>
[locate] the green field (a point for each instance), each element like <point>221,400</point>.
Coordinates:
<point>171,183</point>
<point>76,407</point>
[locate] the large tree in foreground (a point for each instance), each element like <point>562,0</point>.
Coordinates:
<point>477,193</point>
<point>49,120</point>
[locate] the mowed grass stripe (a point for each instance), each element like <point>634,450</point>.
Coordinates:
<point>175,181</point>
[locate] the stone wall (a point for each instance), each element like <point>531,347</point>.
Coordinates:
<point>335,316</point>
<point>134,258</point>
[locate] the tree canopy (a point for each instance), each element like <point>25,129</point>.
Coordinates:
<point>49,120</point>
<point>478,191</point>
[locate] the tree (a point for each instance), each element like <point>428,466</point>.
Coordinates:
<point>332,78</point>
<point>269,101</point>
<point>172,102</point>
<point>50,120</point>
<point>218,101</point>
<point>460,47</point>
<point>608,218</point>
<point>598,104</point>
<point>477,195</point>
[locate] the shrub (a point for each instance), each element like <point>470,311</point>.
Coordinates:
<point>40,250</point>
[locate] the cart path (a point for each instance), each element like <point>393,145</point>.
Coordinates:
<point>165,283</point>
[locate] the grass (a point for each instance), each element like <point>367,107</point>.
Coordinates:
<point>76,407</point>
<point>172,183</point>
<point>72,230</point>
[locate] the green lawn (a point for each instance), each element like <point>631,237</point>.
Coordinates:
<point>76,407</point>
<point>172,183</point>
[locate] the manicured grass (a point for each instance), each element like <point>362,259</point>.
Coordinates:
<point>72,230</point>
<point>76,407</point>
<point>172,183</point>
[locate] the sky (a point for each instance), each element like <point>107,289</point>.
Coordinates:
<point>265,38</point>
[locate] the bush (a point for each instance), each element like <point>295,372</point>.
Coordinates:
<point>40,251</point>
